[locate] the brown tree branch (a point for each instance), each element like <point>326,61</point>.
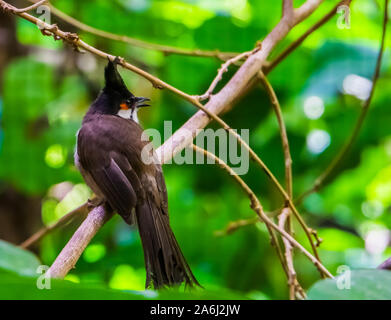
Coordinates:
<point>287,8</point>
<point>257,207</point>
<point>137,42</point>
<point>271,65</point>
<point>284,136</point>
<point>223,69</point>
<point>71,253</point>
<point>285,213</point>
<point>35,5</point>
<point>234,225</point>
<point>36,237</point>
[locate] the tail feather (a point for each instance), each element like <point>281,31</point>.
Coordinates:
<point>164,261</point>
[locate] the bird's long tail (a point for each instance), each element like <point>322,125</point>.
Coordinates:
<point>164,261</point>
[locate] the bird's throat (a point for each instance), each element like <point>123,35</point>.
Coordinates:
<point>129,114</point>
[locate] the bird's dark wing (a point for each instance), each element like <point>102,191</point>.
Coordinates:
<point>108,168</point>
<point>109,150</point>
<point>116,187</point>
<point>161,185</point>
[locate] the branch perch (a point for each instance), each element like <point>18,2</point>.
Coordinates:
<point>71,253</point>
<point>36,237</point>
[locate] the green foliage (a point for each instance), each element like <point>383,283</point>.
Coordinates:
<point>46,93</point>
<point>17,260</point>
<point>18,280</point>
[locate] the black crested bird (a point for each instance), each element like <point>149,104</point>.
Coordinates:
<point>108,155</point>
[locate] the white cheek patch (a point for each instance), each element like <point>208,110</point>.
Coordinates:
<point>134,115</point>
<point>125,113</point>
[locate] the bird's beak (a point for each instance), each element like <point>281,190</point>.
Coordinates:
<point>140,102</point>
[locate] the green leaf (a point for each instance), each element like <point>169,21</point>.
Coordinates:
<point>24,288</point>
<point>339,240</point>
<point>355,285</point>
<point>16,287</point>
<point>15,259</point>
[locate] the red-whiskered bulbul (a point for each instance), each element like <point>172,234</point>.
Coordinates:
<point>108,155</point>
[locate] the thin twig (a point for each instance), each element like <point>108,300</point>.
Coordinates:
<point>251,195</point>
<point>35,5</point>
<point>272,64</point>
<point>257,207</point>
<point>74,40</point>
<point>292,278</point>
<point>319,182</point>
<point>140,43</point>
<point>285,213</point>
<point>234,225</point>
<point>36,237</point>
<point>284,137</point>
<point>223,69</point>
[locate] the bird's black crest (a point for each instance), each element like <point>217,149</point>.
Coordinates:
<point>113,79</point>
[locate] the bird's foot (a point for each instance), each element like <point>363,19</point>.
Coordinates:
<point>94,202</point>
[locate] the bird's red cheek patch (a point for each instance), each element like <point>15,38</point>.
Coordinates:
<point>124,106</point>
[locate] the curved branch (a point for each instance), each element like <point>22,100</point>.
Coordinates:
<point>224,68</point>
<point>137,42</point>
<point>284,217</point>
<point>257,207</point>
<point>36,237</point>
<point>35,5</point>
<point>271,65</point>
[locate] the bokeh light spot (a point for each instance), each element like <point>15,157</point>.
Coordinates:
<point>94,252</point>
<point>357,86</point>
<point>55,156</point>
<point>72,278</point>
<point>372,209</point>
<point>318,141</point>
<point>74,198</point>
<point>126,277</point>
<point>313,107</point>
<point>376,241</point>
<point>48,211</point>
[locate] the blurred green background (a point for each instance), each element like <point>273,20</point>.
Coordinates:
<point>46,88</point>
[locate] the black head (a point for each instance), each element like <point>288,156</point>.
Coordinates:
<point>115,95</point>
